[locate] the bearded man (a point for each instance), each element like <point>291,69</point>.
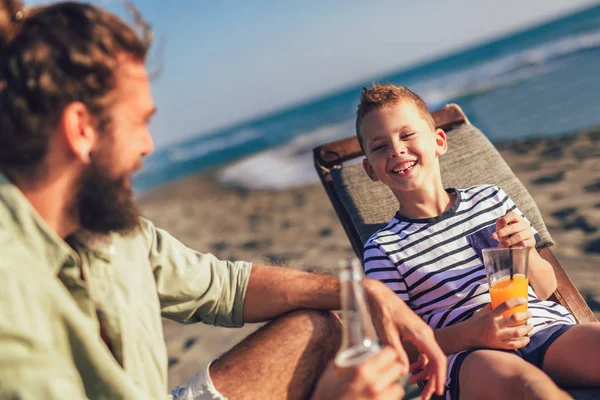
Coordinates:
<point>86,279</point>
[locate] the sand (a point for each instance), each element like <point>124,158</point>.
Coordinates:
<point>298,227</point>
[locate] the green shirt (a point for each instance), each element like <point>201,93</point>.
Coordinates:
<point>59,300</point>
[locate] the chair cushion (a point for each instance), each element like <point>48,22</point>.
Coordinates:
<point>471,160</point>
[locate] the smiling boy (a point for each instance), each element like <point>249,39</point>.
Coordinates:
<point>429,254</point>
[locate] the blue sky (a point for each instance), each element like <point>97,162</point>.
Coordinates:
<point>227,61</point>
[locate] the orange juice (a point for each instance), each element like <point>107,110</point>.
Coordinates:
<point>505,288</point>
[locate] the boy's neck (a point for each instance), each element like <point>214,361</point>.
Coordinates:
<point>425,202</point>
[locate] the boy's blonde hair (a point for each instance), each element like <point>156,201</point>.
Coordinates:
<point>380,96</point>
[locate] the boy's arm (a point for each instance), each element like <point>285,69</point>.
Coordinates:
<point>541,275</point>
<point>486,328</point>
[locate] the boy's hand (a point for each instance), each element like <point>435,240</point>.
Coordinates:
<point>513,230</point>
<point>491,329</point>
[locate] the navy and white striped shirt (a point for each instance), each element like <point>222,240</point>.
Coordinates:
<point>435,264</point>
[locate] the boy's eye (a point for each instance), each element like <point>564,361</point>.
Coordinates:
<point>407,135</point>
<point>378,147</point>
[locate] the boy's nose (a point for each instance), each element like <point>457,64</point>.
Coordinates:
<point>398,150</point>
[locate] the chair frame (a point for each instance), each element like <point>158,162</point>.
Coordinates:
<point>332,155</point>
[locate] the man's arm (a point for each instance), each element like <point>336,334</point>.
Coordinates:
<point>273,291</point>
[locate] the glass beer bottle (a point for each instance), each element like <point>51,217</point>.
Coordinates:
<point>359,340</point>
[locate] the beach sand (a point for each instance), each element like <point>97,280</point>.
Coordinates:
<point>298,227</point>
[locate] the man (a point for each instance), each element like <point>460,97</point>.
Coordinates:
<point>86,280</point>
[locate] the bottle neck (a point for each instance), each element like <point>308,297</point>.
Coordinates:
<point>358,337</point>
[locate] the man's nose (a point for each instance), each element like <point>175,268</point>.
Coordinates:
<point>148,145</point>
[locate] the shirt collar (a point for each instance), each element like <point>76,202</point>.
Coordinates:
<point>18,215</point>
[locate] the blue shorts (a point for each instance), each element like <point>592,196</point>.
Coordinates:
<point>533,353</point>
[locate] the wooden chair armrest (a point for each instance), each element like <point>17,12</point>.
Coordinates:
<point>566,293</point>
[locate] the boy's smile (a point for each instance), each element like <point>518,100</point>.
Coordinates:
<point>401,147</point>
<point>403,168</point>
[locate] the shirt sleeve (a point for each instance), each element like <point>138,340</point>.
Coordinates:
<point>378,266</point>
<point>194,286</point>
<point>31,367</point>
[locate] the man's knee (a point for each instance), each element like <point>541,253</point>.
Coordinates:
<point>325,325</point>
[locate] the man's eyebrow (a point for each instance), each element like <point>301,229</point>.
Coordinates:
<point>150,114</point>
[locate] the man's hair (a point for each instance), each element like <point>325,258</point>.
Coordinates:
<point>51,56</point>
<point>380,96</point>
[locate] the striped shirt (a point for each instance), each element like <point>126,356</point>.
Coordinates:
<point>435,264</point>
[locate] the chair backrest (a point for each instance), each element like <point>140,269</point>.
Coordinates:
<point>364,206</point>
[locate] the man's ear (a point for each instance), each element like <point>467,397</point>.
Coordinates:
<point>369,170</point>
<point>78,131</point>
<point>441,143</point>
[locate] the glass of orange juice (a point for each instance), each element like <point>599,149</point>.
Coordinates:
<point>506,271</point>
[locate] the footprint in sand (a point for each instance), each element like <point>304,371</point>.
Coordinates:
<point>189,343</point>
<point>592,246</point>
<point>552,151</point>
<point>256,244</point>
<point>548,179</point>
<point>570,220</point>
<point>564,212</point>
<point>593,187</point>
<point>325,232</point>
<point>591,301</point>
<point>218,246</point>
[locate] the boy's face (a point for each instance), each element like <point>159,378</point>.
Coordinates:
<point>402,149</point>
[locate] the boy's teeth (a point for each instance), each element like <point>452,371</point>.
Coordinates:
<point>406,167</point>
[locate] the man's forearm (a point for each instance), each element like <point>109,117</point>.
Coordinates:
<point>273,291</point>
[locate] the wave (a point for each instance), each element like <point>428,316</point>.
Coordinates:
<point>286,166</point>
<point>488,75</point>
<point>203,147</point>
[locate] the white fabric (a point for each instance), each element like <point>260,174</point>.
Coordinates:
<point>200,387</point>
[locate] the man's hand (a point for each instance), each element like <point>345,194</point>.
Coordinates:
<point>395,322</point>
<point>375,378</point>
<point>513,230</point>
<point>490,329</point>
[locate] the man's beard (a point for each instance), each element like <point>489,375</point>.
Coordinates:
<point>103,203</point>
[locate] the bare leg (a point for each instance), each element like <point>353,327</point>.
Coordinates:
<point>282,360</point>
<point>490,374</point>
<point>572,359</point>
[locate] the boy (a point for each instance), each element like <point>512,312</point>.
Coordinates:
<point>430,255</point>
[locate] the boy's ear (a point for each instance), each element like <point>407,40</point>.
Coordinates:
<point>369,170</point>
<point>441,143</point>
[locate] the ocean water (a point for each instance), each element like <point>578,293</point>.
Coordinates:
<point>543,81</point>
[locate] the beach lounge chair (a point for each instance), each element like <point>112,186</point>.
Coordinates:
<point>364,206</point>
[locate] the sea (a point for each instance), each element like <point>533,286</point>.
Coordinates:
<point>539,82</point>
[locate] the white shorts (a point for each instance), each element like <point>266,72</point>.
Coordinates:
<point>200,387</point>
